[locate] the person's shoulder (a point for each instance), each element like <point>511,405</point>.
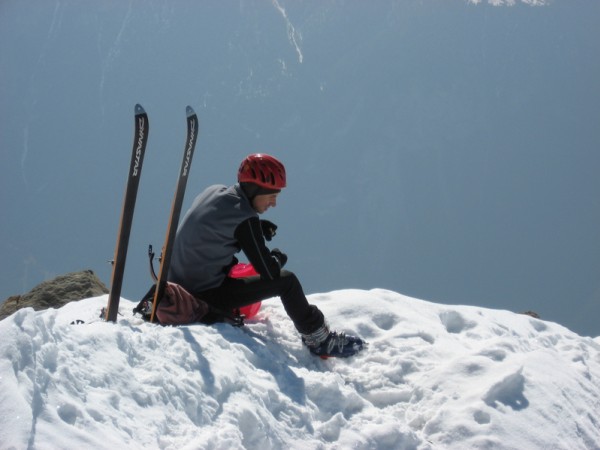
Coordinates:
<point>220,194</point>
<point>208,195</point>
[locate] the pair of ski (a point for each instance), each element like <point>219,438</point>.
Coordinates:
<point>135,170</point>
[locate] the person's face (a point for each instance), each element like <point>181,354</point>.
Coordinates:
<point>261,203</point>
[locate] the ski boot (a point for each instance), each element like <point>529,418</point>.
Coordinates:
<point>331,344</point>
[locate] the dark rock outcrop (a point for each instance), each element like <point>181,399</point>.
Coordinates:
<point>56,293</point>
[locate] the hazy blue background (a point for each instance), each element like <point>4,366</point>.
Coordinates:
<point>443,149</point>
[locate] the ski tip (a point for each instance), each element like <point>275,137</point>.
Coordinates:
<point>139,109</point>
<point>190,111</point>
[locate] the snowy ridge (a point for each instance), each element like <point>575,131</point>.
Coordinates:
<point>434,377</point>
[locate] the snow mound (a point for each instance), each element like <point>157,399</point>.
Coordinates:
<point>434,376</point>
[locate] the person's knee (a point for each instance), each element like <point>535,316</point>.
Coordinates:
<point>290,277</point>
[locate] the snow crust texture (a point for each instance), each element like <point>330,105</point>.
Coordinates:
<point>434,377</point>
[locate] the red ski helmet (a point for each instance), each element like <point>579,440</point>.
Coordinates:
<point>263,170</point>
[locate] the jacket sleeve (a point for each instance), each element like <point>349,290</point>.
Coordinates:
<point>251,240</point>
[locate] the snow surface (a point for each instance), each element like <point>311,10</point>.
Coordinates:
<point>434,377</point>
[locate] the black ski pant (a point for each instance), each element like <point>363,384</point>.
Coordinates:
<point>237,292</point>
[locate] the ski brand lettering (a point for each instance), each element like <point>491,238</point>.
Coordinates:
<point>140,144</point>
<point>190,148</point>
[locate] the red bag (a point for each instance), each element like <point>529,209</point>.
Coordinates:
<point>241,271</point>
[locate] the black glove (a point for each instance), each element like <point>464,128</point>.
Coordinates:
<point>281,257</point>
<point>268,229</point>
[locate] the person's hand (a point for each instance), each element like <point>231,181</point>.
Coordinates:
<point>281,257</point>
<point>268,229</point>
